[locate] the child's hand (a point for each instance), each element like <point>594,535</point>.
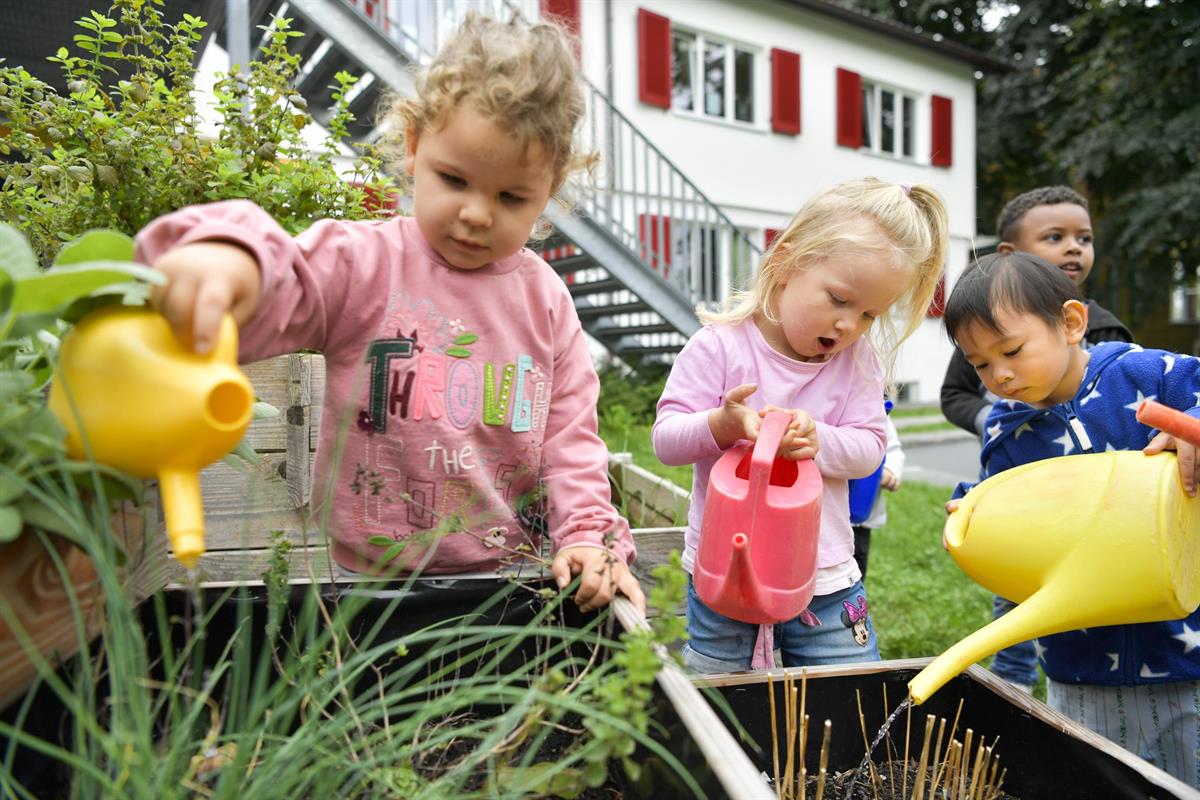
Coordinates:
<point>1189,464</point>
<point>204,281</point>
<point>888,480</point>
<point>951,507</point>
<point>734,420</point>
<point>800,439</point>
<point>603,575</point>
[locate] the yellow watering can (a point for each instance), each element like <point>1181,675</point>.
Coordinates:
<point>131,395</point>
<point>1121,545</point>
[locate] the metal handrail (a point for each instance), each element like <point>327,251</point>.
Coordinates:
<point>642,198</point>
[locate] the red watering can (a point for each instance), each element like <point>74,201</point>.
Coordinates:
<point>757,560</point>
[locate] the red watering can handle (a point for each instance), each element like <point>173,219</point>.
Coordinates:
<point>1167,419</point>
<point>770,434</point>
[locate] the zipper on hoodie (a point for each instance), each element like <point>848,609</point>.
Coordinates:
<point>1078,433</point>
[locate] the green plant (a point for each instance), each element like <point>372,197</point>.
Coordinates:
<point>35,309</point>
<point>629,397</point>
<point>116,153</point>
<point>333,703</point>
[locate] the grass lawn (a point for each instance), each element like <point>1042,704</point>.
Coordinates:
<point>920,601</point>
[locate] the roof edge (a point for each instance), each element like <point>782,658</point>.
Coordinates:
<point>896,30</point>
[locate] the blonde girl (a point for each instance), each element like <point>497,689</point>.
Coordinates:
<point>457,372</point>
<point>862,257</point>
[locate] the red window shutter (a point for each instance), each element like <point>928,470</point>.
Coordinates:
<point>941,131</point>
<point>785,91</point>
<point>769,236</point>
<point>565,12</point>
<point>655,234</point>
<point>849,108</point>
<point>654,59</point>
<point>937,306</point>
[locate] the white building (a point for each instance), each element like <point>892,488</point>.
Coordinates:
<point>762,102</point>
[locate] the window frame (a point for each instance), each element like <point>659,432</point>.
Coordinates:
<point>872,120</point>
<point>699,42</point>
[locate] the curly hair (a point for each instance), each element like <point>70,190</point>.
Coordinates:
<point>522,77</point>
<point>1008,224</point>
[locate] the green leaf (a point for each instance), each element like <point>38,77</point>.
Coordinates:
<point>467,338</point>
<point>10,523</point>
<point>100,244</point>
<point>37,515</point>
<point>6,291</point>
<point>381,541</point>
<point>458,352</point>
<point>11,487</point>
<point>242,456</point>
<point>17,259</point>
<point>13,384</point>
<point>51,290</point>
<point>261,410</point>
<point>393,552</point>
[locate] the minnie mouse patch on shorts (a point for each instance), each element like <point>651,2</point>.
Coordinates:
<point>855,616</point>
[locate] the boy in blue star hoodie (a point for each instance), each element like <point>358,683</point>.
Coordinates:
<point>1019,323</point>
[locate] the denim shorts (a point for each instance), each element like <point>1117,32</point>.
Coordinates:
<point>717,643</point>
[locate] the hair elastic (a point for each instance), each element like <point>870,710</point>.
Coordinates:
<point>907,187</point>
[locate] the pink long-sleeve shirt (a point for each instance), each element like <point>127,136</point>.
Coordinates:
<point>450,398</point>
<point>844,395</point>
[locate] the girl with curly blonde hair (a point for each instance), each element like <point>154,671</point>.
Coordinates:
<point>453,352</point>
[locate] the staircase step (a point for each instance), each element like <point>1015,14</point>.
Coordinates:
<point>316,83</point>
<point>647,350</point>
<point>572,263</point>
<point>617,331</point>
<point>592,312</point>
<point>595,287</point>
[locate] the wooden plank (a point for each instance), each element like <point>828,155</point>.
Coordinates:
<point>646,499</point>
<point>654,546</point>
<point>734,770</point>
<point>299,414</point>
<point>229,490</point>
<point>273,383</point>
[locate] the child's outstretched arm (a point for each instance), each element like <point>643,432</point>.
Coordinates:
<point>283,291</point>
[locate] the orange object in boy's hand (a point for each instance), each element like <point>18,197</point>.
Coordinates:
<point>603,576</point>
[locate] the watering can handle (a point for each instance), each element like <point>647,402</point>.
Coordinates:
<point>1169,420</point>
<point>770,434</point>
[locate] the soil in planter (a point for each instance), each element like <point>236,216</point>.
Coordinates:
<point>895,781</point>
<point>435,762</point>
<point>915,763</point>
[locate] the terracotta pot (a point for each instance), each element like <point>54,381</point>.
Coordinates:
<point>33,588</point>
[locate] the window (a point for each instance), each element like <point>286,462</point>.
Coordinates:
<point>888,120</point>
<point>712,78</point>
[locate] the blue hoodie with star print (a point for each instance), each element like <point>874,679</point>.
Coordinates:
<point>1101,416</point>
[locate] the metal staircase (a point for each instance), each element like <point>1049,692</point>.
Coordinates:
<point>643,246</point>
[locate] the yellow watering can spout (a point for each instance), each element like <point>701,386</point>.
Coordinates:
<point>1080,541</point>
<point>132,396</point>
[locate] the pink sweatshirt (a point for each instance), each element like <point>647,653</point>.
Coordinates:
<point>844,395</point>
<point>457,393</point>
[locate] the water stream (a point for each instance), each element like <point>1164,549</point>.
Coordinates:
<point>904,704</point>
